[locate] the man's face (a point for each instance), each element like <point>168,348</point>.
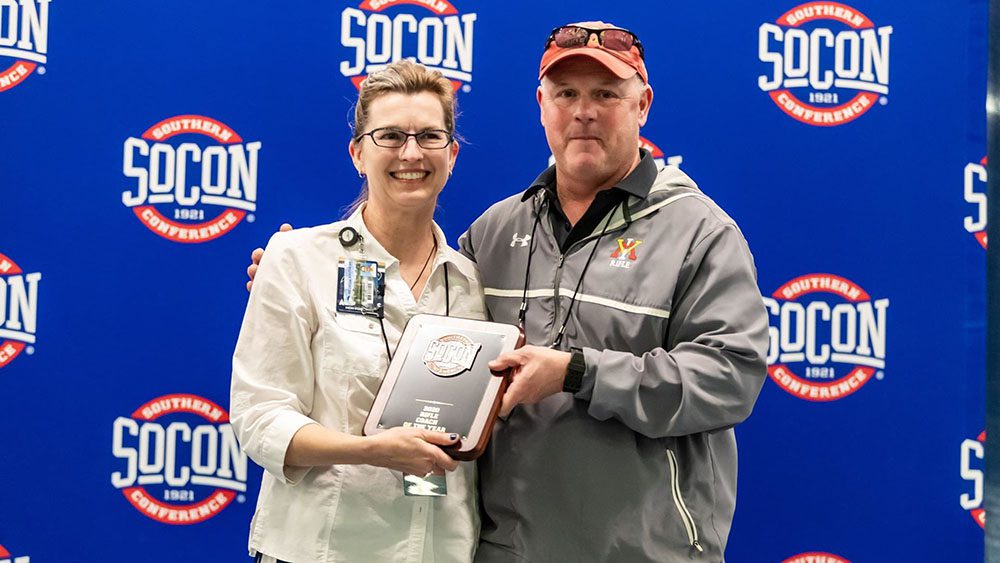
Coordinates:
<point>592,119</point>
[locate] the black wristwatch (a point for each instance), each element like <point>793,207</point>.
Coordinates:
<point>574,371</point>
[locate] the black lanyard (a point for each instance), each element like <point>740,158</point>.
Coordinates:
<point>447,311</point>
<point>523,311</point>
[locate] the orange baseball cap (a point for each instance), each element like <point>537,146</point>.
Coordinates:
<point>624,64</point>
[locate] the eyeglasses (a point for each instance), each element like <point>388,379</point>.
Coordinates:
<point>615,39</point>
<point>392,138</point>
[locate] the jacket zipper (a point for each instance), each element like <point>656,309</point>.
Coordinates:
<point>675,489</point>
<point>559,272</point>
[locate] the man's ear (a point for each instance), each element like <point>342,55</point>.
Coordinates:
<point>538,96</point>
<point>645,102</point>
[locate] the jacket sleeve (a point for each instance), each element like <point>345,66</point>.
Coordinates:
<point>712,365</point>
<point>465,244</point>
<point>272,386</point>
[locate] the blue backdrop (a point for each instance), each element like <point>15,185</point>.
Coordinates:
<point>146,148</point>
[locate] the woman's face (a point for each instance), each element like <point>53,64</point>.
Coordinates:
<point>409,177</point>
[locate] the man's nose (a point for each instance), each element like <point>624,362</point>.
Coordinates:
<point>585,109</point>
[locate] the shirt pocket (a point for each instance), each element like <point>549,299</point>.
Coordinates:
<point>354,364</point>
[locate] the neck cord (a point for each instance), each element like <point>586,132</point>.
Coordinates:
<point>381,322</point>
<point>523,312</point>
<point>427,261</point>
<point>579,282</point>
<point>447,311</point>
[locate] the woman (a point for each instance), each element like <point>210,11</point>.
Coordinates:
<point>313,349</point>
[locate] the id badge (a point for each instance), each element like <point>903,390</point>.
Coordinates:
<point>430,486</point>
<point>361,287</point>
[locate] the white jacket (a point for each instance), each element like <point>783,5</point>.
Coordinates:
<point>298,361</point>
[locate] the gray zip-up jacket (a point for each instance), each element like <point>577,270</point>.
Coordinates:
<point>640,464</point>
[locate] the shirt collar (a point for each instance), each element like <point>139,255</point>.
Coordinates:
<point>637,183</point>
<point>375,251</point>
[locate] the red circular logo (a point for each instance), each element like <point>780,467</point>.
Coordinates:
<point>194,178</point>
<point>827,337</point>
<point>182,464</point>
<point>18,310</point>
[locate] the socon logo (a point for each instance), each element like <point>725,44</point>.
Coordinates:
<point>18,310</point>
<point>450,354</point>
<point>973,452</point>
<point>975,193</point>
<point>24,39</point>
<point>187,191</point>
<point>827,337</point>
<point>815,557</point>
<point>6,557</point>
<point>829,63</point>
<point>182,462</point>
<point>442,40</point>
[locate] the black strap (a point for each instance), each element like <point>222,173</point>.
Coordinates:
<point>579,282</point>
<point>447,313</point>
<point>523,312</point>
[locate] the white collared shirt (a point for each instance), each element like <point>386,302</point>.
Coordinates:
<point>299,361</point>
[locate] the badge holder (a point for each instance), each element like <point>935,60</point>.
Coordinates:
<point>361,287</point>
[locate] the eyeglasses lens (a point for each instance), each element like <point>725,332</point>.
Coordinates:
<point>567,37</point>
<point>616,40</point>
<point>394,138</point>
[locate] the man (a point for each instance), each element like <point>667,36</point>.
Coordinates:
<point>647,333</point>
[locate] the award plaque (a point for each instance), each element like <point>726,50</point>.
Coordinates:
<point>439,380</point>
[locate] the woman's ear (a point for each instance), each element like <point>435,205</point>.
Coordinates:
<point>354,149</point>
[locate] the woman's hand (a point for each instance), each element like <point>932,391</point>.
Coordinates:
<point>412,451</point>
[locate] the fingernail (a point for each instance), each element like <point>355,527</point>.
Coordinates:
<point>453,436</point>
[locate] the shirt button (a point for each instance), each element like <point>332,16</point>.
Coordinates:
<point>371,325</point>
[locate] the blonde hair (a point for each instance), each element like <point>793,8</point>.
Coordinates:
<point>402,77</point>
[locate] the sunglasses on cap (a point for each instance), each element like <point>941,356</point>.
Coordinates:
<point>614,39</point>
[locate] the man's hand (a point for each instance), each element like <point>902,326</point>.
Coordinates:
<point>257,254</point>
<point>537,373</point>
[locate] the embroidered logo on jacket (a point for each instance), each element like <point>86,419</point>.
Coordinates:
<point>523,241</point>
<point>624,255</point>
<point>973,452</point>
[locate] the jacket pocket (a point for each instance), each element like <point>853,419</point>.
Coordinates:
<point>354,363</point>
<point>675,489</point>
